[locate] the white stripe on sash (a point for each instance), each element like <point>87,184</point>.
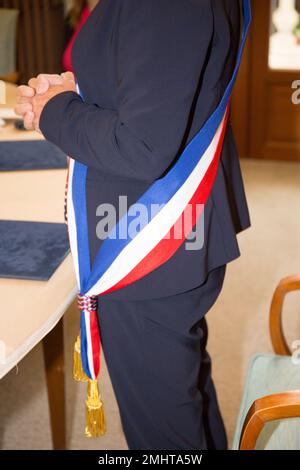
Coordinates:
<point>159,227</point>
<point>89,343</point>
<point>72,221</point>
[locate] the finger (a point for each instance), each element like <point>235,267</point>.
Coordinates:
<point>23,99</point>
<point>24,108</point>
<point>42,84</point>
<point>44,81</point>
<point>68,76</point>
<point>33,83</point>
<point>28,120</point>
<point>36,124</point>
<point>25,91</point>
<point>53,79</point>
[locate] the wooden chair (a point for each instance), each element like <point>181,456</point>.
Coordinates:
<point>270,409</point>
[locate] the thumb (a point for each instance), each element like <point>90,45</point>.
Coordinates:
<point>44,81</point>
<point>42,84</point>
<point>69,76</point>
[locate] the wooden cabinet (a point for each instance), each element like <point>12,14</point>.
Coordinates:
<point>266,122</point>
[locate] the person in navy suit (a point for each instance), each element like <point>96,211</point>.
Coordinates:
<point>150,73</point>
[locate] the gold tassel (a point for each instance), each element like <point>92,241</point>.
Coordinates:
<point>78,373</point>
<point>95,419</point>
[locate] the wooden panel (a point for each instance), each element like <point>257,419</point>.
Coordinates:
<point>259,68</point>
<point>265,122</point>
<point>274,120</point>
<point>40,36</point>
<point>240,105</point>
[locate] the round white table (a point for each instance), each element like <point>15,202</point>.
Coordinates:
<point>35,308</point>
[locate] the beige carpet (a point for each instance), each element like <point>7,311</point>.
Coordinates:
<point>238,322</point>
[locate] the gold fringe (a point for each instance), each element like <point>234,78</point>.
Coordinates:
<point>95,418</point>
<point>78,373</point>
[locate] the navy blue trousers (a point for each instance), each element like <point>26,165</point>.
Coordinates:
<point>156,356</point>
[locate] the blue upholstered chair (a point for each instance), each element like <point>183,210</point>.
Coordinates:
<point>269,416</point>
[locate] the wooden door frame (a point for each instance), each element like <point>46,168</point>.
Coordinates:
<point>240,104</point>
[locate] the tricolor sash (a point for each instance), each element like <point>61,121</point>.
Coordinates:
<point>122,260</point>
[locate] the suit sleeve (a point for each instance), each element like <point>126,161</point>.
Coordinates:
<point>162,47</point>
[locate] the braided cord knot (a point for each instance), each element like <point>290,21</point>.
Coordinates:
<point>86,302</point>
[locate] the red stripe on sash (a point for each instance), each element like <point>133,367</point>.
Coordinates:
<point>95,340</point>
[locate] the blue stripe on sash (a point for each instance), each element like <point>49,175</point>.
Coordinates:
<point>80,208</point>
<point>83,347</point>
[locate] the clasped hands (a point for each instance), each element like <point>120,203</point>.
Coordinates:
<point>32,99</point>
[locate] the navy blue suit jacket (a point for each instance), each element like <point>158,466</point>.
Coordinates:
<point>151,72</point>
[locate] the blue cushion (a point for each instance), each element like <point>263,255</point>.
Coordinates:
<point>31,250</point>
<point>30,155</point>
<point>270,374</point>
